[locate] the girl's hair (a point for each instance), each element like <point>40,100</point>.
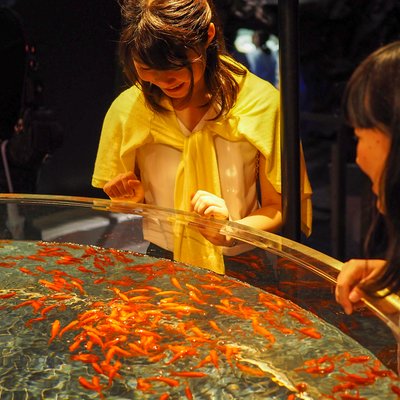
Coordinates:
<point>159,33</point>
<point>372,100</point>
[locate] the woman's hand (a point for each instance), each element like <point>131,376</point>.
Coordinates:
<point>209,205</point>
<point>353,273</point>
<point>125,187</point>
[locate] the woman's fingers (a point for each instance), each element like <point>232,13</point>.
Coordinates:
<point>352,273</point>
<point>125,186</point>
<point>355,272</point>
<point>137,191</point>
<point>209,205</point>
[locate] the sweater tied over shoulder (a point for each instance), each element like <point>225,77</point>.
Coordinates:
<point>129,124</point>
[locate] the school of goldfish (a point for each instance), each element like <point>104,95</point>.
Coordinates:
<point>162,330</point>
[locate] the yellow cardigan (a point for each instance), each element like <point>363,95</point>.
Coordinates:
<point>129,124</point>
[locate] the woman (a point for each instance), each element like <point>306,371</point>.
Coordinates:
<point>195,132</point>
<point>373,108</point>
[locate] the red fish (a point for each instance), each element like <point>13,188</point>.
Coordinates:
<point>7,295</point>
<point>169,381</point>
<point>27,271</point>
<point>55,328</point>
<point>250,370</point>
<point>85,357</point>
<point>311,332</point>
<point>189,374</point>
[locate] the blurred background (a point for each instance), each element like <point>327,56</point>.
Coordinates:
<point>75,75</point>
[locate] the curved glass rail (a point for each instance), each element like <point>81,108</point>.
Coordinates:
<point>320,264</point>
<point>301,277</point>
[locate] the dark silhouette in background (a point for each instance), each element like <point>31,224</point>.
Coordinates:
<point>29,132</point>
<point>76,49</point>
<point>262,61</point>
<point>12,67</point>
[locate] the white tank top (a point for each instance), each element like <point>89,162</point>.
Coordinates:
<point>158,164</point>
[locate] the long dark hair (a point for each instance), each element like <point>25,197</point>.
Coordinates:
<point>159,33</point>
<point>372,100</point>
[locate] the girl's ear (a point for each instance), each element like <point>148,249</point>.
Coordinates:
<point>211,33</point>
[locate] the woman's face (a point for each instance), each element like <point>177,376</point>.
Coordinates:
<point>175,83</point>
<point>372,150</point>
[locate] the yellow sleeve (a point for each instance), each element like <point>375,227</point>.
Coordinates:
<point>258,114</point>
<point>126,126</point>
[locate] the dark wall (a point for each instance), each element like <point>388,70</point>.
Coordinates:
<point>76,42</point>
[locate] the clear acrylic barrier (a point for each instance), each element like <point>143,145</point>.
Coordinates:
<point>277,266</point>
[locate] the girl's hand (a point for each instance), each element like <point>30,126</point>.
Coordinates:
<point>353,273</point>
<point>209,205</point>
<point>125,187</point>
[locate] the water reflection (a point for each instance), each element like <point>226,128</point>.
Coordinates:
<point>90,322</point>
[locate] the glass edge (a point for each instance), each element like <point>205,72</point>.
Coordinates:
<point>387,309</point>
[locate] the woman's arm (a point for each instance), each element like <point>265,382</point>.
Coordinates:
<point>268,217</point>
